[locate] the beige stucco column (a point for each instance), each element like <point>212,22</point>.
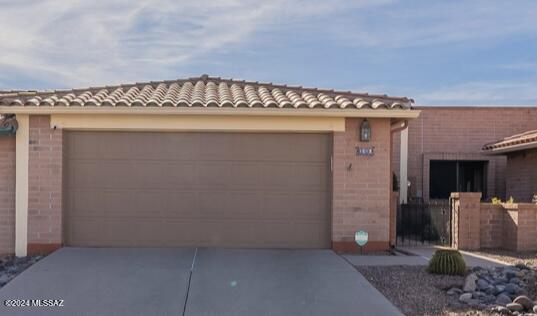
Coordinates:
<point>403,167</point>
<point>21,185</point>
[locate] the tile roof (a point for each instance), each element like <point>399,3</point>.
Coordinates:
<point>203,91</point>
<point>512,142</point>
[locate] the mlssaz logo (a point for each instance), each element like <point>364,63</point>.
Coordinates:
<point>34,303</point>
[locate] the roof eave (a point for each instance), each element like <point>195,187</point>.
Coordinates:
<point>369,113</point>
<point>510,149</point>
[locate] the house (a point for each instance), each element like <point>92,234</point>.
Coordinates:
<point>521,170</point>
<point>197,162</point>
<point>440,152</point>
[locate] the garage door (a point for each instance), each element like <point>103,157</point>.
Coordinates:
<point>197,189</point>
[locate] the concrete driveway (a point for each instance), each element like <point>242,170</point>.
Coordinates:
<point>190,281</point>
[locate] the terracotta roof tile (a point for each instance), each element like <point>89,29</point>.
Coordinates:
<point>518,139</point>
<point>203,91</point>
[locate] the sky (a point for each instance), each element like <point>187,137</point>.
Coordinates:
<point>473,52</point>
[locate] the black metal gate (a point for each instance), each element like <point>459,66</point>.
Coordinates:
<point>420,223</point>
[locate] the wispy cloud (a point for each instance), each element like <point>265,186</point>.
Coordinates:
<point>88,42</point>
<point>58,43</point>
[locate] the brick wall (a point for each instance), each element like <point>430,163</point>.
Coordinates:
<point>467,232</point>
<point>45,186</point>
<point>507,226</point>
<point>458,134</point>
<point>361,187</point>
<point>527,227</point>
<point>510,227</point>
<point>7,194</point>
<point>492,222</point>
<point>521,175</point>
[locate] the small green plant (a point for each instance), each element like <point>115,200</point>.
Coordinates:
<point>498,201</point>
<point>447,262</point>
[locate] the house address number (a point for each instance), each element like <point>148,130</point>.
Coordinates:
<point>365,151</point>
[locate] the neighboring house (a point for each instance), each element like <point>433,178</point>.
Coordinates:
<point>198,162</point>
<point>443,151</point>
<point>521,170</point>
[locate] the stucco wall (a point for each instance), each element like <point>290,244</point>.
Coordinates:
<point>458,134</point>
<point>7,194</point>
<point>521,175</point>
<point>361,187</point>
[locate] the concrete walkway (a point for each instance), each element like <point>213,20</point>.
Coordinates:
<point>471,260</point>
<point>93,281</point>
<point>418,256</point>
<point>386,260</point>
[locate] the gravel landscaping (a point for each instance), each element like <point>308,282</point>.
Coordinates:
<point>507,290</point>
<point>415,291</point>
<point>511,257</point>
<point>11,266</point>
<point>510,290</point>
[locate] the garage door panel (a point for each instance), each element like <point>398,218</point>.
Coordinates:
<point>308,206</point>
<point>197,189</point>
<point>304,234</point>
<point>211,174</point>
<point>180,204</point>
<point>176,175</point>
<point>131,174</point>
<point>244,205</point>
<point>128,203</point>
<point>313,176</point>
<point>295,176</point>
<point>245,175</point>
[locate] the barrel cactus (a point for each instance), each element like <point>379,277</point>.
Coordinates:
<point>448,262</point>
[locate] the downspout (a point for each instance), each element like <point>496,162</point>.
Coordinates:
<point>8,125</point>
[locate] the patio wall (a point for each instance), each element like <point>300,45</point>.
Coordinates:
<point>477,225</point>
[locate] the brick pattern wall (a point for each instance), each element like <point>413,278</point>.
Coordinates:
<point>7,194</point>
<point>521,175</point>
<point>467,234</point>
<point>507,226</point>
<point>527,227</point>
<point>510,227</point>
<point>45,186</point>
<point>459,133</point>
<point>361,187</point>
<point>491,221</point>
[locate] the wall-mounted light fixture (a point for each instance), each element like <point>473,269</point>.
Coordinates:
<point>365,131</point>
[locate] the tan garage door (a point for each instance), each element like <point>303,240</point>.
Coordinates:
<point>197,189</point>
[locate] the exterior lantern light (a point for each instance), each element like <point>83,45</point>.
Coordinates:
<point>365,131</point>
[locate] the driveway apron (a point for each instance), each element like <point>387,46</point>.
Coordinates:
<point>104,281</point>
<point>148,281</point>
<point>280,282</point>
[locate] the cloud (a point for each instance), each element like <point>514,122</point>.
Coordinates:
<point>472,93</point>
<point>61,44</point>
<point>96,42</point>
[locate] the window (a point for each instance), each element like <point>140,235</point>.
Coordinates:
<point>448,176</point>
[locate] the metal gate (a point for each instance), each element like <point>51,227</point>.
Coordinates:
<point>421,223</point>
